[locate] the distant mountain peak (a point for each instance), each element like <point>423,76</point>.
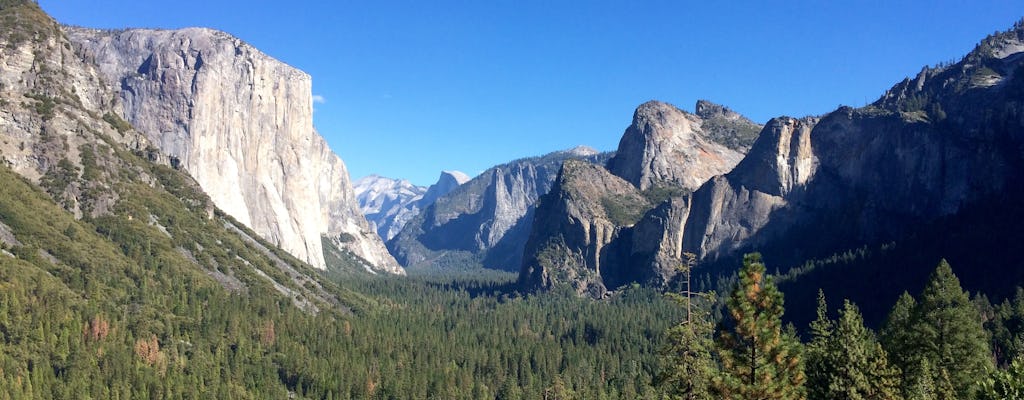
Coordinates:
<point>582,151</point>
<point>459,176</point>
<point>707,109</point>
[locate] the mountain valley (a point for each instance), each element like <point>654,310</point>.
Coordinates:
<point>173,226</point>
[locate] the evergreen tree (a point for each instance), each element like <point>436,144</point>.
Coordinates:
<point>949,331</point>
<point>1004,384</point>
<point>943,332</point>
<point>686,362</point>
<point>815,355</point>
<point>845,361</point>
<point>899,341</point>
<point>759,360</point>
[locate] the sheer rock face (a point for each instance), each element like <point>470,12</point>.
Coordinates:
<point>446,183</point>
<point>240,122</point>
<point>52,125</point>
<point>931,147</point>
<point>390,203</point>
<point>581,231</point>
<point>486,221</point>
<point>665,146</point>
<point>664,154</point>
<point>729,209</point>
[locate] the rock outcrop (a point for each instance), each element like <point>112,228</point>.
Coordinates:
<point>49,98</point>
<point>446,183</point>
<point>668,147</point>
<point>89,203</point>
<point>664,155</point>
<point>390,203</point>
<point>728,210</point>
<point>931,147</point>
<point>581,230</point>
<point>240,122</point>
<point>727,127</point>
<point>945,146</point>
<point>486,221</point>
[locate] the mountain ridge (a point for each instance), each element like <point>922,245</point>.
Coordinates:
<point>389,203</point>
<point>240,122</point>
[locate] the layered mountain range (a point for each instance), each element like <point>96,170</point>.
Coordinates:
<point>240,123</point>
<point>944,145</point>
<point>390,203</point>
<point>600,227</point>
<point>92,207</point>
<point>485,221</point>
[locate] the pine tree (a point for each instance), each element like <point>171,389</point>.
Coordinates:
<point>687,365</point>
<point>816,352</point>
<point>759,360</point>
<point>845,361</point>
<point>943,332</point>
<point>899,341</point>
<point>949,331</point>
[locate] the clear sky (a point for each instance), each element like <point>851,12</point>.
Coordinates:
<point>409,88</point>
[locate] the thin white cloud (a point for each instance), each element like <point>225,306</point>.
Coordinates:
<point>318,99</point>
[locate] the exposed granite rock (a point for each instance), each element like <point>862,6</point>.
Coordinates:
<point>668,147</point>
<point>240,122</point>
<point>446,183</point>
<point>727,127</point>
<point>729,209</point>
<point>657,247</point>
<point>390,203</point>
<point>486,221</point>
<point>53,106</point>
<point>664,154</point>
<point>929,148</point>
<point>61,130</point>
<point>581,231</point>
<point>387,203</point>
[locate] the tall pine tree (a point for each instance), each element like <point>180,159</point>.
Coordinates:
<point>845,361</point>
<point>686,362</point>
<point>939,339</point>
<point>759,360</point>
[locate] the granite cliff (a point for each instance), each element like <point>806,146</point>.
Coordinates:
<point>668,147</point>
<point>390,203</point>
<point>240,123</point>
<point>664,154</point>
<point>931,166</point>
<point>485,221</point>
<point>581,230</point>
<point>91,205</point>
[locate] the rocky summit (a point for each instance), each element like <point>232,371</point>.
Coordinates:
<point>580,228</point>
<point>241,124</point>
<point>670,148</point>
<point>390,203</point>
<point>485,221</point>
<point>940,151</point>
<point>600,228</point>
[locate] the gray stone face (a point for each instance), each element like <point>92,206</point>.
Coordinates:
<point>668,147</point>
<point>579,231</point>
<point>390,203</point>
<point>486,221</point>
<point>928,149</point>
<point>596,233</point>
<point>240,122</point>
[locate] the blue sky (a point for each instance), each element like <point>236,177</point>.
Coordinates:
<point>410,88</point>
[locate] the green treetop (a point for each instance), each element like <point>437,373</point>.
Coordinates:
<point>759,360</point>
